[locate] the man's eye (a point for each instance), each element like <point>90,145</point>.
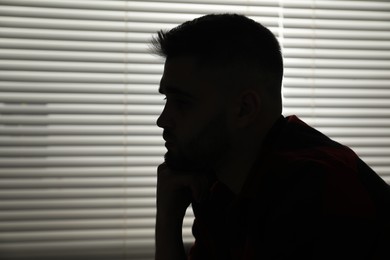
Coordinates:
<point>178,103</point>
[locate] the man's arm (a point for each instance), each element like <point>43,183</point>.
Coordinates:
<point>169,242</point>
<point>175,191</point>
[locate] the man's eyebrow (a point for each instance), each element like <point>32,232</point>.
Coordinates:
<point>174,90</point>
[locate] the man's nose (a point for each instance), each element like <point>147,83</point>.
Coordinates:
<point>164,120</point>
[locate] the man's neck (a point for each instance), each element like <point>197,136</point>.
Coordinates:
<point>238,164</point>
<point>233,173</point>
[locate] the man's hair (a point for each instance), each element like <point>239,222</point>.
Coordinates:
<point>226,41</point>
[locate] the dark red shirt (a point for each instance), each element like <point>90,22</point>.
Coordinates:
<point>307,197</point>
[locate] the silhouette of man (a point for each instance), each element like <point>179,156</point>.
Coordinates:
<point>262,186</point>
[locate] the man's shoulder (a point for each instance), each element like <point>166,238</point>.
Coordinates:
<point>295,134</point>
<point>296,146</point>
<point>303,162</point>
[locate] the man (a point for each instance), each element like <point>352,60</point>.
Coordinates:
<point>262,186</point>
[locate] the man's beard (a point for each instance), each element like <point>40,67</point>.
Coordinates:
<point>203,151</point>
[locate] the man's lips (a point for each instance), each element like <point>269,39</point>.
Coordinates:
<point>169,145</point>
<point>167,136</point>
<point>168,140</point>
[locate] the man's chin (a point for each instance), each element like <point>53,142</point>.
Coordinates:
<point>180,164</point>
<point>175,163</point>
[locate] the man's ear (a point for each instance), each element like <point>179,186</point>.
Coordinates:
<point>249,108</point>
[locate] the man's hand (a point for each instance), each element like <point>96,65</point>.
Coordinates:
<point>175,192</point>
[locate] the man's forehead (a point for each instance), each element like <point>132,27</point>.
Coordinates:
<point>183,65</point>
<point>187,73</point>
<point>181,76</point>
<point>175,82</point>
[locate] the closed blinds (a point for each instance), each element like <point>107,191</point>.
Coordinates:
<point>78,104</point>
<point>337,77</point>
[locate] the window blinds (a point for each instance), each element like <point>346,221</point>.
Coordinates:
<point>337,72</point>
<point>78,104</point>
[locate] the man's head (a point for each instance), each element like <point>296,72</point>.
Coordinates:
<point>234,44</point>
<point>222,79</point>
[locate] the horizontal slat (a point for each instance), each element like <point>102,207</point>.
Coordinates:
<point>358,132</point>
<point>118,9</point>
<point>103,36</point>
<point>318,101</point>
<point>319,4</point>
<point>335,48</point>
<point>82,151</point>
<point>82,214</point>
<point>122,183</point>
<point>70,24</point>
<point>79,172</point>
<point>383,171</point>
<point>320,63</point>
<point>29,9</point>
<point>69,214</point>
<point>339,5</point>
<point>123,67</point>
<point>140,251</point>
<point>310,51</point>
<point>82,56</point>
<point>357,23</point>
<point>101,109</point>
<point>70,247</point>
<point>368,93</point>
<point>104,248</point>
<point>160,17</point>
<point>364,151</point>
<point>329,83</point>
<point>340,112</point>
<point>79,120</point>
<point>81,98</point>
<point>377,160</point>
<point>346,122</point>
<point>106,203</point>
<point>80,130</point>
<point>131,234</point>
<point>68,45</point>
<point>201,8</point>
<point>119,5</point>
<point>118,223</point>
<point>76,225</point>
<point>80,77</point>
<point>348,14</point>
<point>81,140</point>
<point>86,214</point>
<point>77,87</point>
<point>338,73</point>
<point>130,21</point>
<point>69,235</point>
<point>78,192</point>
<point>85,161</point>
<point>335,34</point>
